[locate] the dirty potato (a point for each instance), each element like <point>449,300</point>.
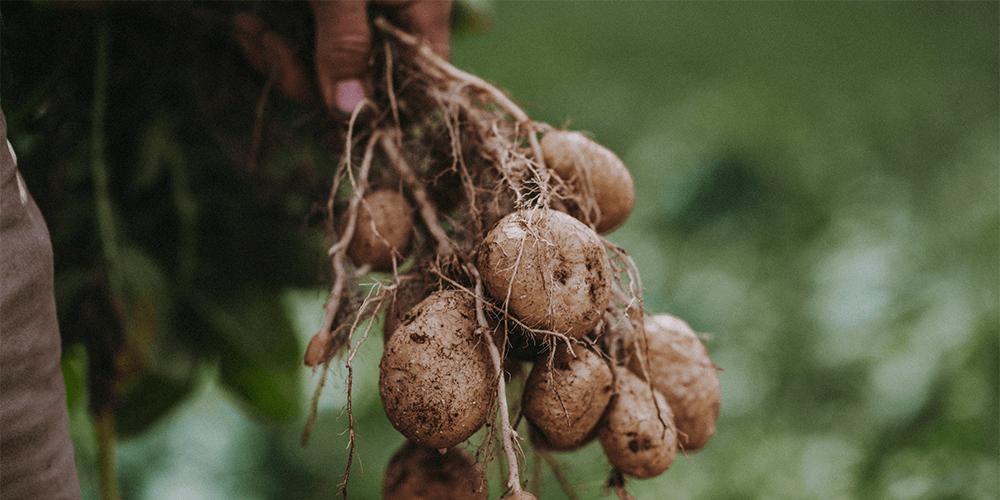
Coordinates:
<point>384,227</point>
<point>549,268</point>
<point>565,399</point>
<point>597,176</point>
<point>418,473</point>
<point>680,369</point>
<point>638,433</point>
<point>435,373</point>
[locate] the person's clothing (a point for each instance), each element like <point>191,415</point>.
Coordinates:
<point>36,453</point>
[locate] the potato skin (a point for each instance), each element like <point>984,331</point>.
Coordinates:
<point>591,168</point>
<point>680,369</point>
<point>384,217</point>
<point>418,473</point>
<point>555,267</point>
<point>565,409</point>
<point>632,434</point>
<point>434,373</point>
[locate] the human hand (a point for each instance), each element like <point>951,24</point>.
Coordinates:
<point>343,45</point>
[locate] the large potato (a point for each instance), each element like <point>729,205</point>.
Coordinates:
<point>435,373</point>
<point>418,473</point>
<point>552,270</point>
<point>591,169</point>
<point>679,367</point>
<point>638,433</point>
<point>565,400</point>
<point>384,228</point>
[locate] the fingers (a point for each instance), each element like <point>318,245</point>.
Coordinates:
<point>343,39</point>
<point>343,43</point>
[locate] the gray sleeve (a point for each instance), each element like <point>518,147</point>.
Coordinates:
<point>36,453</point>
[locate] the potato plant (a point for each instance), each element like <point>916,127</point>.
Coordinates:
<point>502,264</point>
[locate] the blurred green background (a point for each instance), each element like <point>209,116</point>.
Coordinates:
<point>817,190</point>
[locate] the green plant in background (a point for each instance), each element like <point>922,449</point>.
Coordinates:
<point>816,190</point>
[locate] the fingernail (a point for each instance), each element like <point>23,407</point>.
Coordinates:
<point>348,94</point>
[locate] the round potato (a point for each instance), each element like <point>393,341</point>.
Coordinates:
<point>565,400</point>
<point>550,269</point>
<point>638,433</point>
<point>418,473</point>
<point>384,228</point>
<point>435,372</point>
<point>595,173</point>
<point>680,369</point>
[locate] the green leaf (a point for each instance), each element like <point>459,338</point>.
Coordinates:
<point>148,400</point>
<point>270,394</point>
<point>258,350</point>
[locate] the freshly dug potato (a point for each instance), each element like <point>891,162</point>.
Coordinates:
<point>638,433</point>
<point>435,372</point>
<point>418,473</point>
<point>679,367</point>
<point>565,400</point>
<point>552,270</point>
<point>384,227</point>
<point>591,169</point>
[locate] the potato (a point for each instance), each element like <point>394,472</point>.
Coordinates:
<point>552,270</point>
<point>681,370</point>
<point>565,400</point>
<point>638,433</point>
<point>435,373</point>
<point>418,473</point>
<point>384,227</point>
<point>591,169</point>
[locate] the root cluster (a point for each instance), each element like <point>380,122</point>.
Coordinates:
<point>467,162</point>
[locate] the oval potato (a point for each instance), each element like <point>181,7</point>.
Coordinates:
<point>384,228</point>
<point>565,400</point>
<point>434,373</point>
<point>638,433</point>
<point>680,369</point>
<point>550,268</point>
<point>594,172</point>
<point>418,473</point>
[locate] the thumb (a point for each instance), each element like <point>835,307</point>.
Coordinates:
<point>343,40</point>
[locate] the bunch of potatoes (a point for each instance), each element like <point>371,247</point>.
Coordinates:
<point>642,390</point>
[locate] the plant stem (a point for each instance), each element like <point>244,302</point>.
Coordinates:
<point>105,428</point>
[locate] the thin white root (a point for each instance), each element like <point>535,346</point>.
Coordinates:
<point>507,433</point>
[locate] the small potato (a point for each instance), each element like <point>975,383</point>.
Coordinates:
<point>418,473</point>
<point>594,172</point>
<point>384,227</point>
<point>550,268</point>
<point>638,433</point>
<point>565,400</point>
<point>681,370</point>
<point>435,372</point>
